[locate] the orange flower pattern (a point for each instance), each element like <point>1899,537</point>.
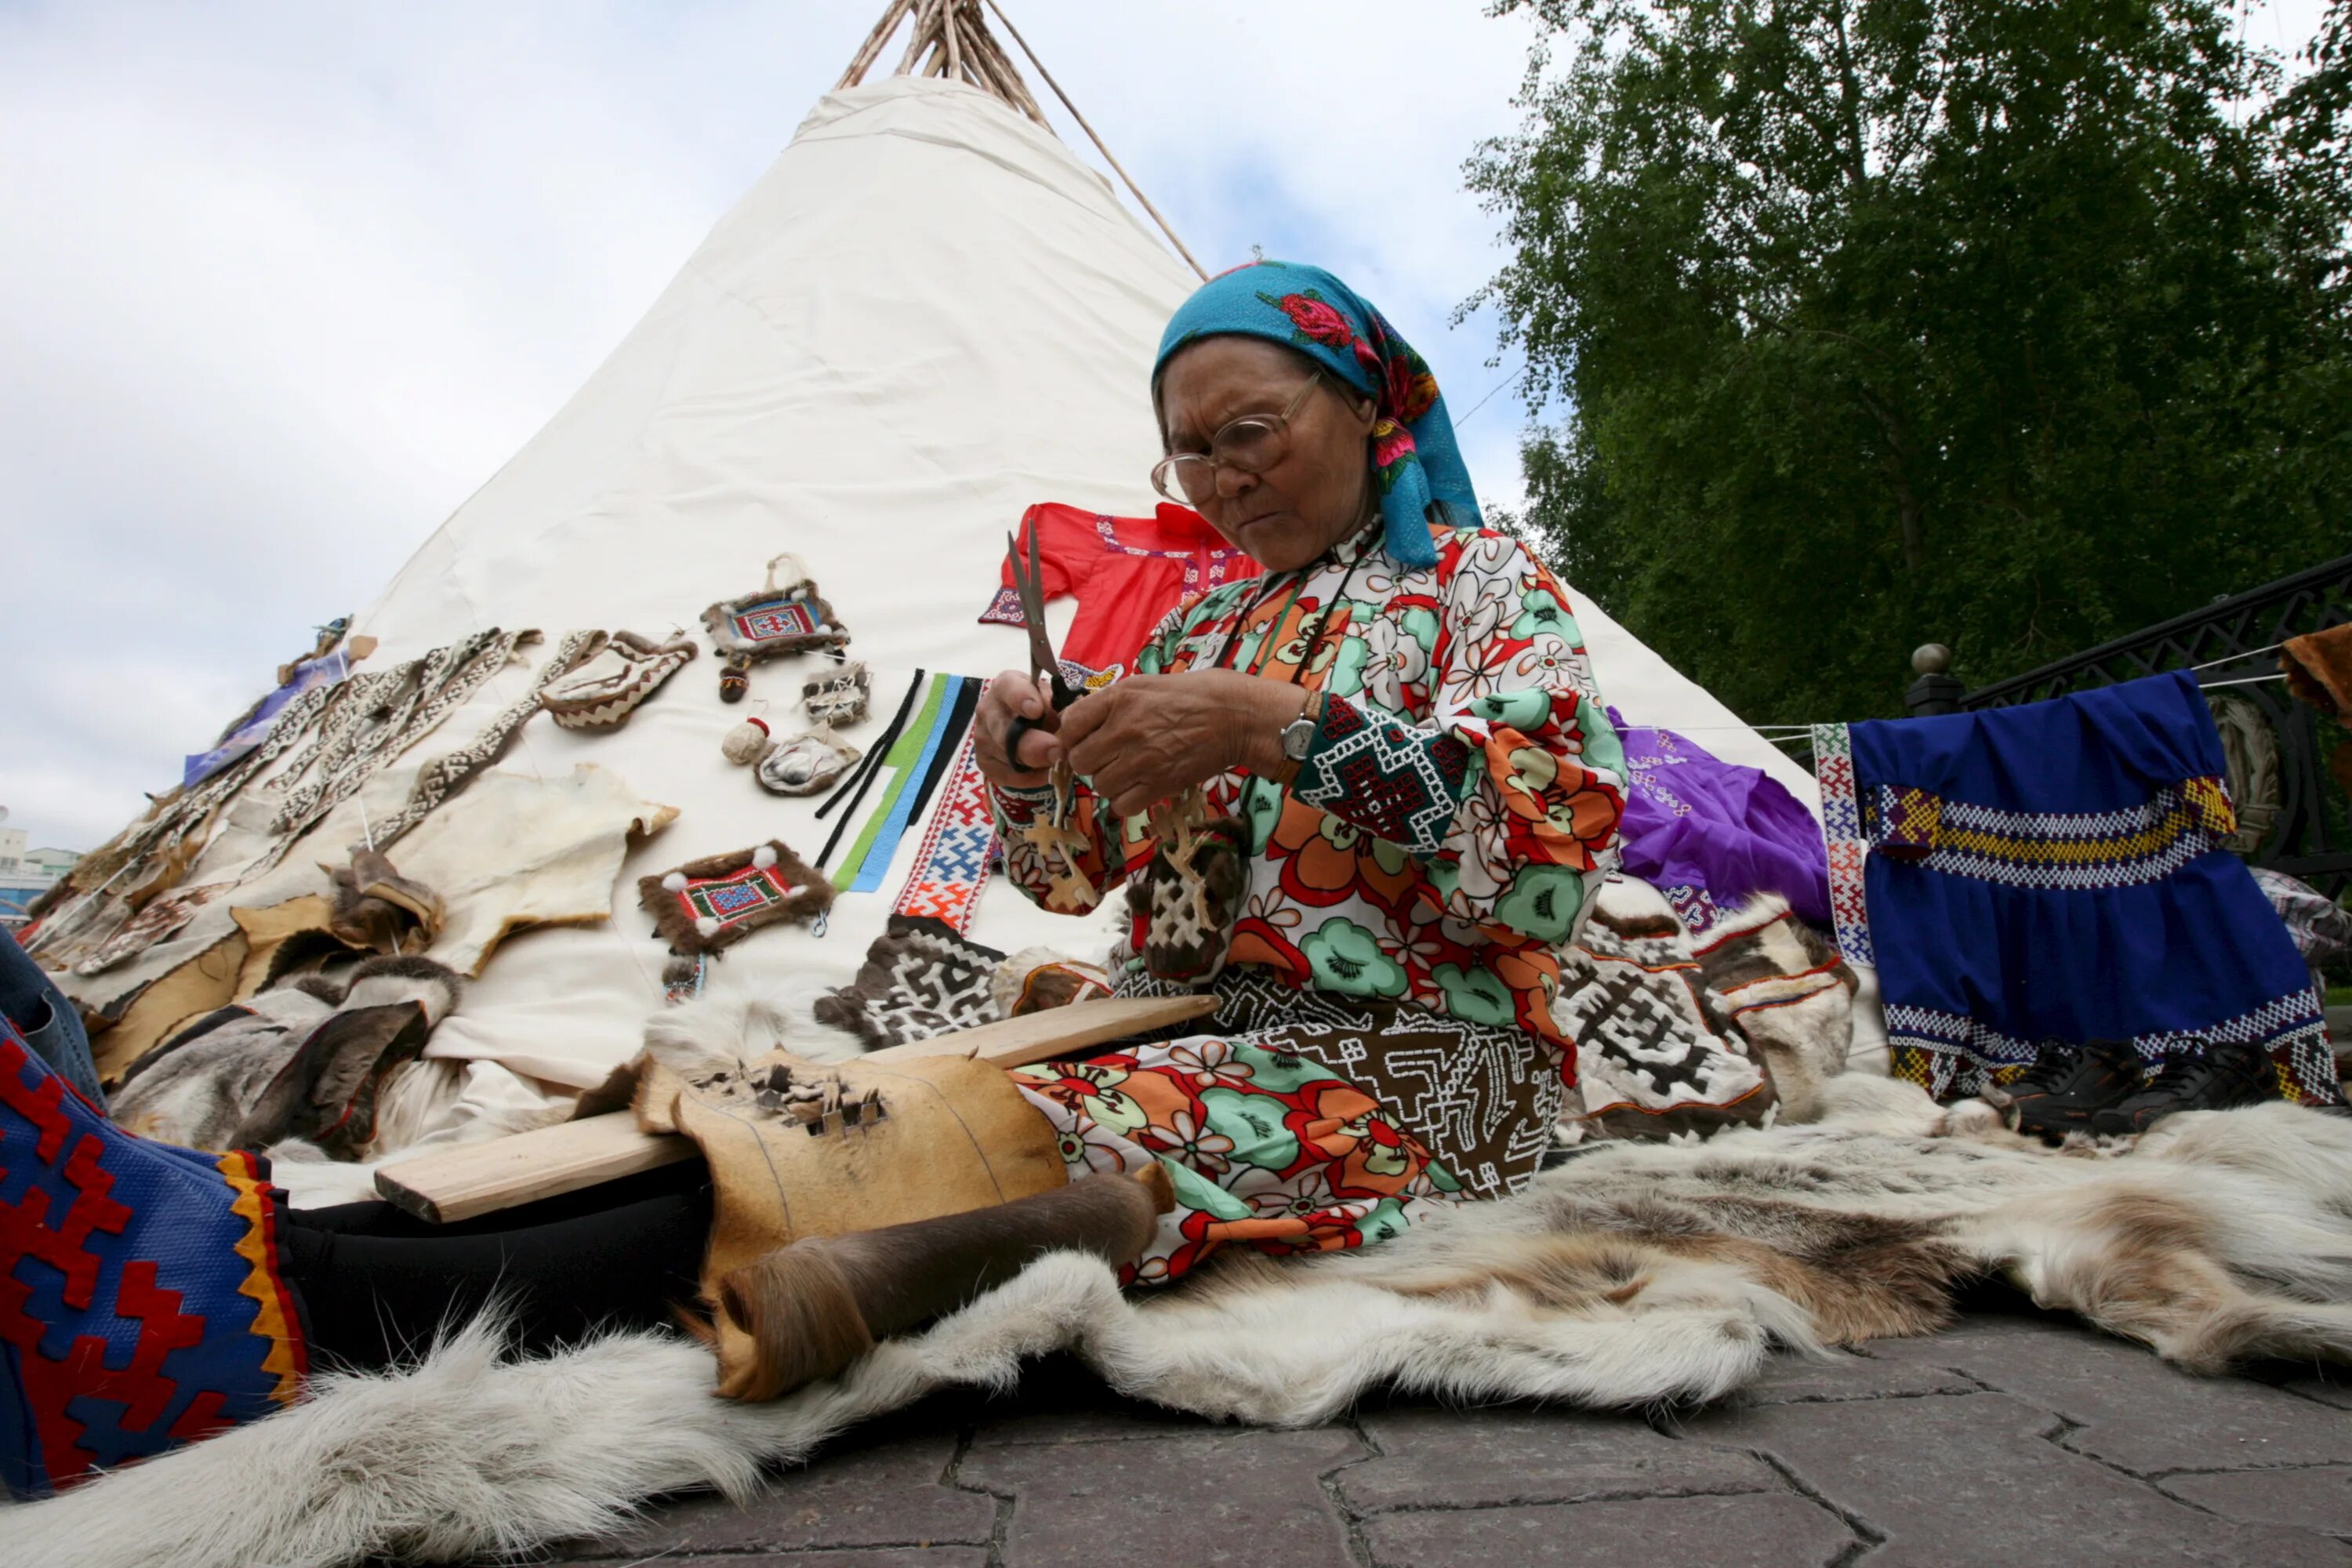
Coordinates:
<point>1265,1149</point>
<point>1459,802</point>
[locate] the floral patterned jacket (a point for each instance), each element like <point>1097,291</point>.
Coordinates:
<point>1459,802</point>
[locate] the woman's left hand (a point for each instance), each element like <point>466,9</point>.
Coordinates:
<point>1151,737</point>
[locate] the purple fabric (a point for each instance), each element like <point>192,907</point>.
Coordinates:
<point>253,728</point>
<point>1712,833</point>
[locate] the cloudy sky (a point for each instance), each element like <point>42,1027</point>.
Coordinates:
<point>281,283</point>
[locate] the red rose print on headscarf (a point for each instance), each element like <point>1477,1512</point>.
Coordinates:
<point>1391,444</point>
<point>1315,322</point>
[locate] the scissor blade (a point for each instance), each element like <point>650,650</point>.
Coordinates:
<point>1028,580</point>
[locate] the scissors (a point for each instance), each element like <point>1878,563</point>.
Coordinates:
<point>1043,665</point>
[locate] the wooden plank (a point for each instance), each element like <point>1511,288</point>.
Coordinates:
<point>473,1179</point>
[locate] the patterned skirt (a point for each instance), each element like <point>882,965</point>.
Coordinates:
<point>1303,1122</point>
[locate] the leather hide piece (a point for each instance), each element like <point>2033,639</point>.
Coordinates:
<point>515,851</point>
<point>282,938</point>
<point>804,1149</point>
<point>161,1006</point>
<point>195,1088</point>
<point>1038,978</point>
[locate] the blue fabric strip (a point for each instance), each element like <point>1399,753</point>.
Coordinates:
<point>884,848</point>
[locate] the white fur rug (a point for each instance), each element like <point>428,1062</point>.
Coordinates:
<point>1631,1274</point>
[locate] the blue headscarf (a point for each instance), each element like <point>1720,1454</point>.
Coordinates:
<point>1306,308</point>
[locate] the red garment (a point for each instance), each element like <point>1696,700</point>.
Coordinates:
<point>1127,573</point>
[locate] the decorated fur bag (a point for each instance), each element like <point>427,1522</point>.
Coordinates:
<point>1190,893</point>
<point>786,617</point>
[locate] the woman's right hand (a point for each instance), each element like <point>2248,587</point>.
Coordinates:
<point>1014,694</point>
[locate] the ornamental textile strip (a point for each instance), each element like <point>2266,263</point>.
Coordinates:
<point>2054,871</point>
<point>939,747</point>
<point>960,724</point>
<point>951,868</point>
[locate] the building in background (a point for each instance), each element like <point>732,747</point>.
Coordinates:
<point>25,873</point>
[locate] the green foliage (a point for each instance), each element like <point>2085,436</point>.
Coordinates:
<point>2000,324</point>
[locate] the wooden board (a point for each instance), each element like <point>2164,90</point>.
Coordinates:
<point>475,1179</point>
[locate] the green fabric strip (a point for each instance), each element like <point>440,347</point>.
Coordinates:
<point>901,762</point>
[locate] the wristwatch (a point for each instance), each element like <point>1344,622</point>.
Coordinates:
<point>1297,736</point>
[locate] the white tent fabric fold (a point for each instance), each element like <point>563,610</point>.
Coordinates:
<point>926,316</point>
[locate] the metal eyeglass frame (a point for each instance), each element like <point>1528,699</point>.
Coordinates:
<point>1165,472</point>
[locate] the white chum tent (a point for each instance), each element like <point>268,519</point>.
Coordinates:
<point>927,315</point>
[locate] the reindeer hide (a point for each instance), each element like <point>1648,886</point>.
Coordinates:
<point>1629,1274</point>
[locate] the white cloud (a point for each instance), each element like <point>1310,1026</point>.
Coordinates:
<point>282,283</point>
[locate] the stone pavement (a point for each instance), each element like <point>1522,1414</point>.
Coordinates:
<point>2010,1441</point>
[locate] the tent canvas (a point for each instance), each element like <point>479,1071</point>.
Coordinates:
<point>927,315</point>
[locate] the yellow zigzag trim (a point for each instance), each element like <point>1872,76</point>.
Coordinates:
<point>2202,804</point>
<point>261,1279</point>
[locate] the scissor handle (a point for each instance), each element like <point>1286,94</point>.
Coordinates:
<point>1013,731</point>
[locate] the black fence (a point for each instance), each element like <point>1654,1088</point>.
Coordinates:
<point>2294,818</point>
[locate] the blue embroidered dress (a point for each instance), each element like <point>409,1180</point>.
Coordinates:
<point>2054,871</point>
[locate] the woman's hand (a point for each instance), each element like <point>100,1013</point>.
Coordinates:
<point>1150,737</point>
<point>1014,694</point>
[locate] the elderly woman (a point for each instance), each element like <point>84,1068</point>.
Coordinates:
<point>1398,784</point>
<point>1363,797</point>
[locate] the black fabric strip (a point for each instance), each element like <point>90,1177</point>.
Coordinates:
<point>881,746</point>
<point>874,754</point>
<point>959,719</point>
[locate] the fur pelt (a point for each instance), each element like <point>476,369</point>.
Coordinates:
<point>306,1060</point>
<point>736,1031</point>
<point>1633,1273</point>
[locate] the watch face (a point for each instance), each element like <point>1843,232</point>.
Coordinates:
<point>1297,736</point>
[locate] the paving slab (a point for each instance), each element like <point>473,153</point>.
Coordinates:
<point>2133,1410</point>
<point>878,1557</point>
<point>1759,1531</point>
<point>1432,1458</point>
<point>1220,1498</point>
<point>2319,1497</point>
<point>1963,1481</point>
<point>1060,1400</point>
<point>888,1491</point>
<point>2328,1385</point>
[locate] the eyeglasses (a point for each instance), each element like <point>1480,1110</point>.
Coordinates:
<point>1251,443</point>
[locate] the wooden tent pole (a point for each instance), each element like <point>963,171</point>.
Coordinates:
<point>891,16</point>
<point>947,36</point>
<point>1097,141</point>
<point>917,37</point>
<point>1006,75</point>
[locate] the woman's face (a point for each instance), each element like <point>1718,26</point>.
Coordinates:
<point>1318,494</point>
